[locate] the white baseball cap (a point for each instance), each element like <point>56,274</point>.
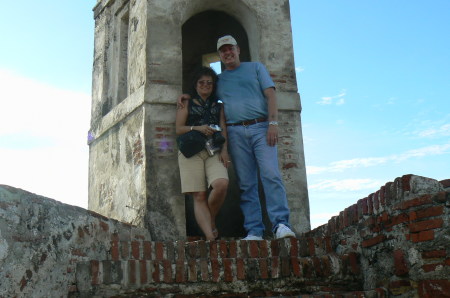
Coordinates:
<point>227,39</point>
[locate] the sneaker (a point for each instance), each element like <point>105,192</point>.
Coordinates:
<point>283,231</point>
<point>252,237</point>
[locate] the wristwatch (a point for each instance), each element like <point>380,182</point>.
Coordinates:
<point>273,123</point>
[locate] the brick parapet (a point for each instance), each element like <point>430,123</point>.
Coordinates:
<point>392,242</point>
<point>400,233</point>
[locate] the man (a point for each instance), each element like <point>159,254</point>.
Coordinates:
<point>250,107</point>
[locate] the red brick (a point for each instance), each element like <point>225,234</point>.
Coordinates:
<point>254,250</point>
<point>215,268</point>
<point>445,183</point>
<point>223,249</point>
<point>422,236</point>
<point>240,269</point>
<point>104,226</point>
<point>180,275</point>
<point>275,267</point>
<point>434,288</point>
<point>295,266</point>
<point>317,266</point>
<point>201,247</point>
<point>95,272</point>
<point>244,249</point>
<point>263,268</point>
<point>274,248</point>
<point>159,253</point>
<point>326,266</point>
<point>426,225</point>
<point>115,250</point>
<point>232,249</point>
<point>376,202</point>
<point>132,272</point>
<point>143,271</point>
<point>370,204</point>
<point>422,200</point>
<point>135,250</point>
<point>406,182</point>
<point>381,196</point>
<point>213,251</point>
<point>400,263</point>
<point>228,270</point>
<point>430,267</point>
<point>147,250</point>
<point>307,268</point>
<point>167,271</point>
<point>192,265</point>
<point>285,267</point>
<point>365,206</point>
<point>346,216</point>
<point>311,247</point>
<point>125,251</point>
<point>399,284</point>
<point>263,249</point>
<point>429,212</point>
<point>433,254</point>
<point>373,241</point>
<point>398,219</point>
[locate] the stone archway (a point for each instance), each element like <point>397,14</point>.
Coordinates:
<point>199,37</point>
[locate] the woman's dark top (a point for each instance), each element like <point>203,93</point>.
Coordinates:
<point>198,111</point>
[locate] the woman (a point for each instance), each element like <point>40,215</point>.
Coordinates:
<point>193,170</point>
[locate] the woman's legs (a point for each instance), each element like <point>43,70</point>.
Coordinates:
<point>203,214</point>
<point>216,199</point>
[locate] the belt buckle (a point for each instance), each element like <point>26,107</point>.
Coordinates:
<point>244,124</point>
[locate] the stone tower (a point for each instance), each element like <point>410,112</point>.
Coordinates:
<point>145,52</point>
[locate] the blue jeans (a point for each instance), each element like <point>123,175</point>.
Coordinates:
<point>250,152</point>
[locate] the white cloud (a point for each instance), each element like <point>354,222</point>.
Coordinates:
<point>443,130</point>
<point>336,99</point>
<point>57,120</point>
<point>346,184</point>
<point>299,69</point>
<point>340,166</point>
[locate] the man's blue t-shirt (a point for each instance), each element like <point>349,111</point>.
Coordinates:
<point>242,91</point>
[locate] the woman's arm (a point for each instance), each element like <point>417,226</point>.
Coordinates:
<point>224,156</point>
<point>180,120</point>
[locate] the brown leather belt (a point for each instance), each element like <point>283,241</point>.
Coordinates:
<point>248,122</point>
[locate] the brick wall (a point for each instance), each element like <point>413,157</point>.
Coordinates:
<point>393,243</point>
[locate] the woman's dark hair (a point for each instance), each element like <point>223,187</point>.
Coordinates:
<point>203,71</point>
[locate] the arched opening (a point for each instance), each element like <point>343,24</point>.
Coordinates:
<point>199,40</point>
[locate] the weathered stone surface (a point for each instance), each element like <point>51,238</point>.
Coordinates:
<point>42,240</point>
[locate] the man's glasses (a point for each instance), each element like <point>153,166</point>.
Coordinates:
<point>202,83</point>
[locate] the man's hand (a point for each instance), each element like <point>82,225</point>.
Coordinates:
<point>182,98</point>
<point>272,135</point>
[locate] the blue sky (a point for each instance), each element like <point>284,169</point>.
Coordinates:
<point>374,78</point>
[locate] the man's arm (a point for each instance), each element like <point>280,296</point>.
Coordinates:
<point>272,132</point>
<point>181,100</point>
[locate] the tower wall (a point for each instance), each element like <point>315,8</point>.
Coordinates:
<point>137,76</point>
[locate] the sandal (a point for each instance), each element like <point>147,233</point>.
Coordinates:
<point>215,233</point>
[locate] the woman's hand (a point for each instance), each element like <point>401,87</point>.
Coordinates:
<point>205,129</point>
<point>225,157</point>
